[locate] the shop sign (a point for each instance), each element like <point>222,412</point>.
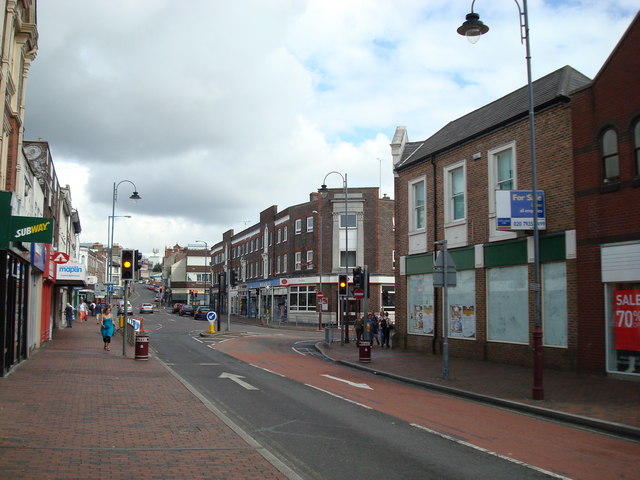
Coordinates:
<point>514,212</point>
<point>31,229</point>
<point>70,271</point>
<point>626,327</point>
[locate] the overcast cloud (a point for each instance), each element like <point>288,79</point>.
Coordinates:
<point>219,109</point>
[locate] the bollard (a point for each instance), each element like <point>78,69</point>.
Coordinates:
<point>142,346</point>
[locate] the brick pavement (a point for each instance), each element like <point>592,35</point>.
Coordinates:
<point>75,411</point>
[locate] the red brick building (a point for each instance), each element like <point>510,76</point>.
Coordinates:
<point>446,189</point>
<point>606,148</point>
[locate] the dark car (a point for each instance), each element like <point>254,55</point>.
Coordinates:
<point>176,308</point>
<point>186,310</point>
<point>201,313</point>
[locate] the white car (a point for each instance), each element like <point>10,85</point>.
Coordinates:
<point>146,308</point>
<point>121,307</point>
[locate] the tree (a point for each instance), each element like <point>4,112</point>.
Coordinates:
<point>157,267</point>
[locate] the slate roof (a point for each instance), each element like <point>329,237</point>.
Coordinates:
<point>549,90</point>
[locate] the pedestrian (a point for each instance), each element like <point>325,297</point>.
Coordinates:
<point>82,311</point>
<point>98,312</point>
<point>374,329</point>
<point>359,327</point>
<point>107,328</point>
<point>68,313</point>
<point>92,308</point>
<point>385,329</point>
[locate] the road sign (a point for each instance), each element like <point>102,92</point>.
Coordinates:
<point>60,257</point>
<point>358,293</point>
<point>319,295</point>
<point>440,277</point>
<point>212,316</point>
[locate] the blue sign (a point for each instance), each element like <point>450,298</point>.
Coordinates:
<point>211,316</point>
<point>514,210</point>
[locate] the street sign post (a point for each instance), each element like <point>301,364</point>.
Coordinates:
<point>211,318</point>
<point>444,275</point>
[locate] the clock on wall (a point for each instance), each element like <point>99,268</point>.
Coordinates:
<point>33,151</point>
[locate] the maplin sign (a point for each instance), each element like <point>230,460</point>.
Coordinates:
<point>514,210</point>
<point>70,271</point>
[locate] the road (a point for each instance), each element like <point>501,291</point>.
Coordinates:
<point>325,421</point>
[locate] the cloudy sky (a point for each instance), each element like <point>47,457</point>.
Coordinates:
<point>218,109</point>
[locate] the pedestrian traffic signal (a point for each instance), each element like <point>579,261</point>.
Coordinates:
<point>128,264</point>
<point>342,284</point>
<point>232,278</point>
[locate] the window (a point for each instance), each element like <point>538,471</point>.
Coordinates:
<point>343,259</point>
<point>554,304</point>
<point>309,258</point>
<point>309,224</point>
<point>298,226</point>
<point>298,262</point>
<point>508,292</point>
<point>504,170</point>
<point>610,158</point>
<point>420,300</point>
<point>302,298</point>
<point>348,221</point>
<point>417,205</point>
<point>636,145</point>
<point>284,234</point>
<point>455,190</point>
<point>279,235</point>
<point>278,264</point>
<point>284,263</point>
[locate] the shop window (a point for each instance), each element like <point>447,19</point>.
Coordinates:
<point>610,157</point>
<point>554,304</point>
<point>507,299</point>
<point>302,298</point>
<point>462,306</point>
<point>420,304</point>
<point>623,327</point>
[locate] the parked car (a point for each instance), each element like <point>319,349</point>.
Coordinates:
<point>146,308</point>
<point>157,299</point>
<point>186,310</point>
<point>176,307</point>
<point>121,307</point>
<point>201,313</point>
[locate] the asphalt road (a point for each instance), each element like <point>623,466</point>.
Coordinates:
<point>324,421</point>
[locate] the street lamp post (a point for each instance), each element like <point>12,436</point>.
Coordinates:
<point>324,191</point>
<point>472,28</point>
<point>206,246</point>
<point>135,196</point>
<point>109,220</point>
<point>318,213</point>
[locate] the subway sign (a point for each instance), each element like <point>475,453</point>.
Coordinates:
<point>31,229</point>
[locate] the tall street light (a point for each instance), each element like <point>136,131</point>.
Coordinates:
<point>472,28</point>
<point>319,215</point>
<point>324,191</point>
<point>206,247</point>
<point>135,197</point>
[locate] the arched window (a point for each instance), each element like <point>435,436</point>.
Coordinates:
<point>610,157</point>
<point>636,146</point>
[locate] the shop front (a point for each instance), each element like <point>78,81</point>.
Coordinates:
<point>621,279</point>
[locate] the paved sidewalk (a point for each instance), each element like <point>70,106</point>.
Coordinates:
<point>75,411</point>
<point>607,403</point>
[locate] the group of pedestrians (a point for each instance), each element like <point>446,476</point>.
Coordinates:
<point>103,315</point>
<point>374,329</point>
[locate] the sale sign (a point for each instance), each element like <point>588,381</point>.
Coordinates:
<point>626,321</point>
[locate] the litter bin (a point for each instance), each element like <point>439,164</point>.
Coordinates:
<point>142,346</point>
<point>365,351</point>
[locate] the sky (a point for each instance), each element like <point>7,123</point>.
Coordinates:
<point>215,109</point>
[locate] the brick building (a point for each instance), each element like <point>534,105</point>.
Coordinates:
<point>606,146</point>
<point>282,262</point>
<point>446,189</point>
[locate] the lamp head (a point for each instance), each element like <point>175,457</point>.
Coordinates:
<point>323,190</point>
<point>472,28</point>
<point>135,197</point>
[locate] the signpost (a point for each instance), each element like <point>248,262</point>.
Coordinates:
<point>211,318</point>
<point>444,275</point>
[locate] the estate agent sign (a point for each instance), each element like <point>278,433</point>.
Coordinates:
<point>514,212</point>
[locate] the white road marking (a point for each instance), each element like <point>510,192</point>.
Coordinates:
<point>236,378</point>
<point>339,396</point>
<point>268,371</point>
<point>353,384</point>
<point>489,452</point>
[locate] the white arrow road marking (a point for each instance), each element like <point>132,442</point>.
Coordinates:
<point>236,378</point>
<point>353,384</point>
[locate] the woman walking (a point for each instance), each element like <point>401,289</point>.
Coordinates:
<point>107,328</point>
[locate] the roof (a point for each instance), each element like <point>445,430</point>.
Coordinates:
<point>549,90</point>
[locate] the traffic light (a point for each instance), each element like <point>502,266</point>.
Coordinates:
<point>232,278</point>
<point>128,260</point>
<point>138,260</point>
<point>358,277</point>
<point>342,284</point>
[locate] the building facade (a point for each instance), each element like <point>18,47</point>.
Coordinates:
<point>447,188</point>
<point>606,148</point>
<point>286,267</point>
